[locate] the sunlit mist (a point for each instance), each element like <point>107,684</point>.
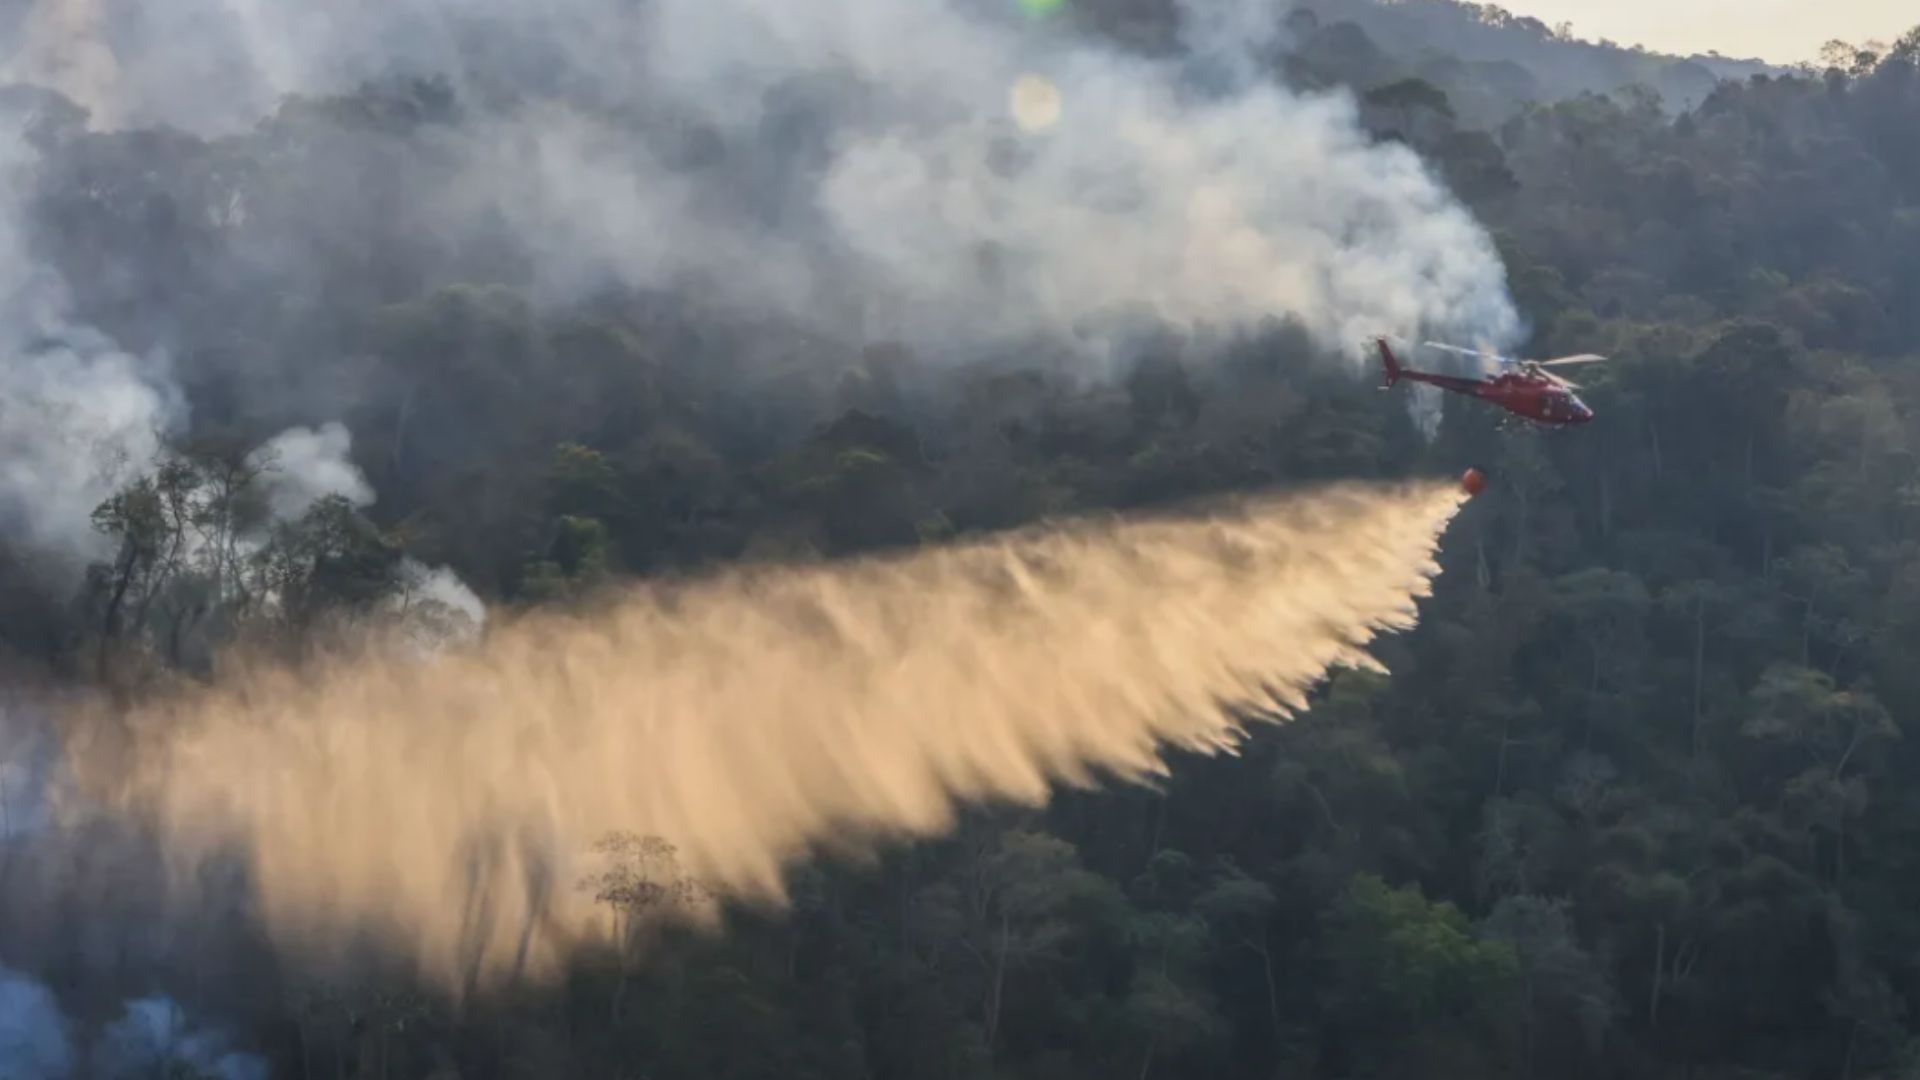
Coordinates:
<point>451,806</point>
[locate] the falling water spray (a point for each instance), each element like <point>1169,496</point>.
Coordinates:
<point>449,808</point>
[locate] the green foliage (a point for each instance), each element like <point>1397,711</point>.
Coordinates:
<point>331,559</point>
<point>576,562</point>
<point>1400,959</point>
<point>201,559</point>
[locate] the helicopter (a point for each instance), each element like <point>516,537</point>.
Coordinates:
<point>1523,387</point>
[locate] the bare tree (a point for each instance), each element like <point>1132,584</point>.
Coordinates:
<point>643,885</point>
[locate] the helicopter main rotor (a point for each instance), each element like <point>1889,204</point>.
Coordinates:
<point>1531,366</point>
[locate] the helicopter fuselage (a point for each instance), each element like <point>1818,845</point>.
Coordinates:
<point>1535,395</point>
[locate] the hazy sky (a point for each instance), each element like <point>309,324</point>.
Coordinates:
<point>1782,31</point>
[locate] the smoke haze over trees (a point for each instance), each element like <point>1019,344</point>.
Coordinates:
<point>397,320</point>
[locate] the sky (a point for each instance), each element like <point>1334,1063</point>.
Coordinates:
<point>1780,31</point>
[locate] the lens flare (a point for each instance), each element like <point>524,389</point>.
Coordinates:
<point>1035,102</point>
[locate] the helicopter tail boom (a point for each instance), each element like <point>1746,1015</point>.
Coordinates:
<point>1390,363</point>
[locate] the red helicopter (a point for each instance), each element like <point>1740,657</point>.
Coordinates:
<point>1523,387</point>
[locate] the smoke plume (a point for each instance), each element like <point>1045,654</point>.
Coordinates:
<point>33,1032</point>
<point>448,807</point>
<point>308,465</point>
<point>152,1037</point>
<point>77,415</point>
<point>956,175</point>
<point>970,180</point>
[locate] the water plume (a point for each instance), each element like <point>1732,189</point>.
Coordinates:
<point>449,807</point>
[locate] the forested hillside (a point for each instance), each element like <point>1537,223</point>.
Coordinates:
<point>1491,62</point>
<point>1635,801</point>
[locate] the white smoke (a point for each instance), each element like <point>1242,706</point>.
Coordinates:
<point>74,426</point>
<point>33,1031</point>
<point>306,465</point>
<point>909,200</point>
<point>928,212</point>
<point>153,1037</point>
<point>78,416</point>
<point>154,1034</point>
<point>434,609</point>
<point>442,586</point>
<point>63,45</point>
<point>301,466</point>
<point>1229,41</point>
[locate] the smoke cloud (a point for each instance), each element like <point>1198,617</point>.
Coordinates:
<point>965,180</point>
<point>154,1033</point>
<point>33,1031</point>
<point>447,807</point>
<point>75,424</point>
<point>955,175</point>
<point>152,1037</point>
<point>968,179</point>
<point>77,415</point>
<point>307,465</point>
<point>80,417</point>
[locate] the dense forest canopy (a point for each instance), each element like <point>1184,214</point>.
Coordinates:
<point>1633,802</point>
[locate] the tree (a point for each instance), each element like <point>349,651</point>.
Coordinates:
<point>858,479</point>
<point>137,520</point>
<point>1801,709</point>
<point>1237,909</point>
<point>1605,610</point>
<point>1562,987</point>
<point>325,569</point>
<point>1712,611</point>
<point>1008,910</point>
<point>1419,110</point>
<point>642,885</point>
<point>1407,972</point>
<point>1814,575</point>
